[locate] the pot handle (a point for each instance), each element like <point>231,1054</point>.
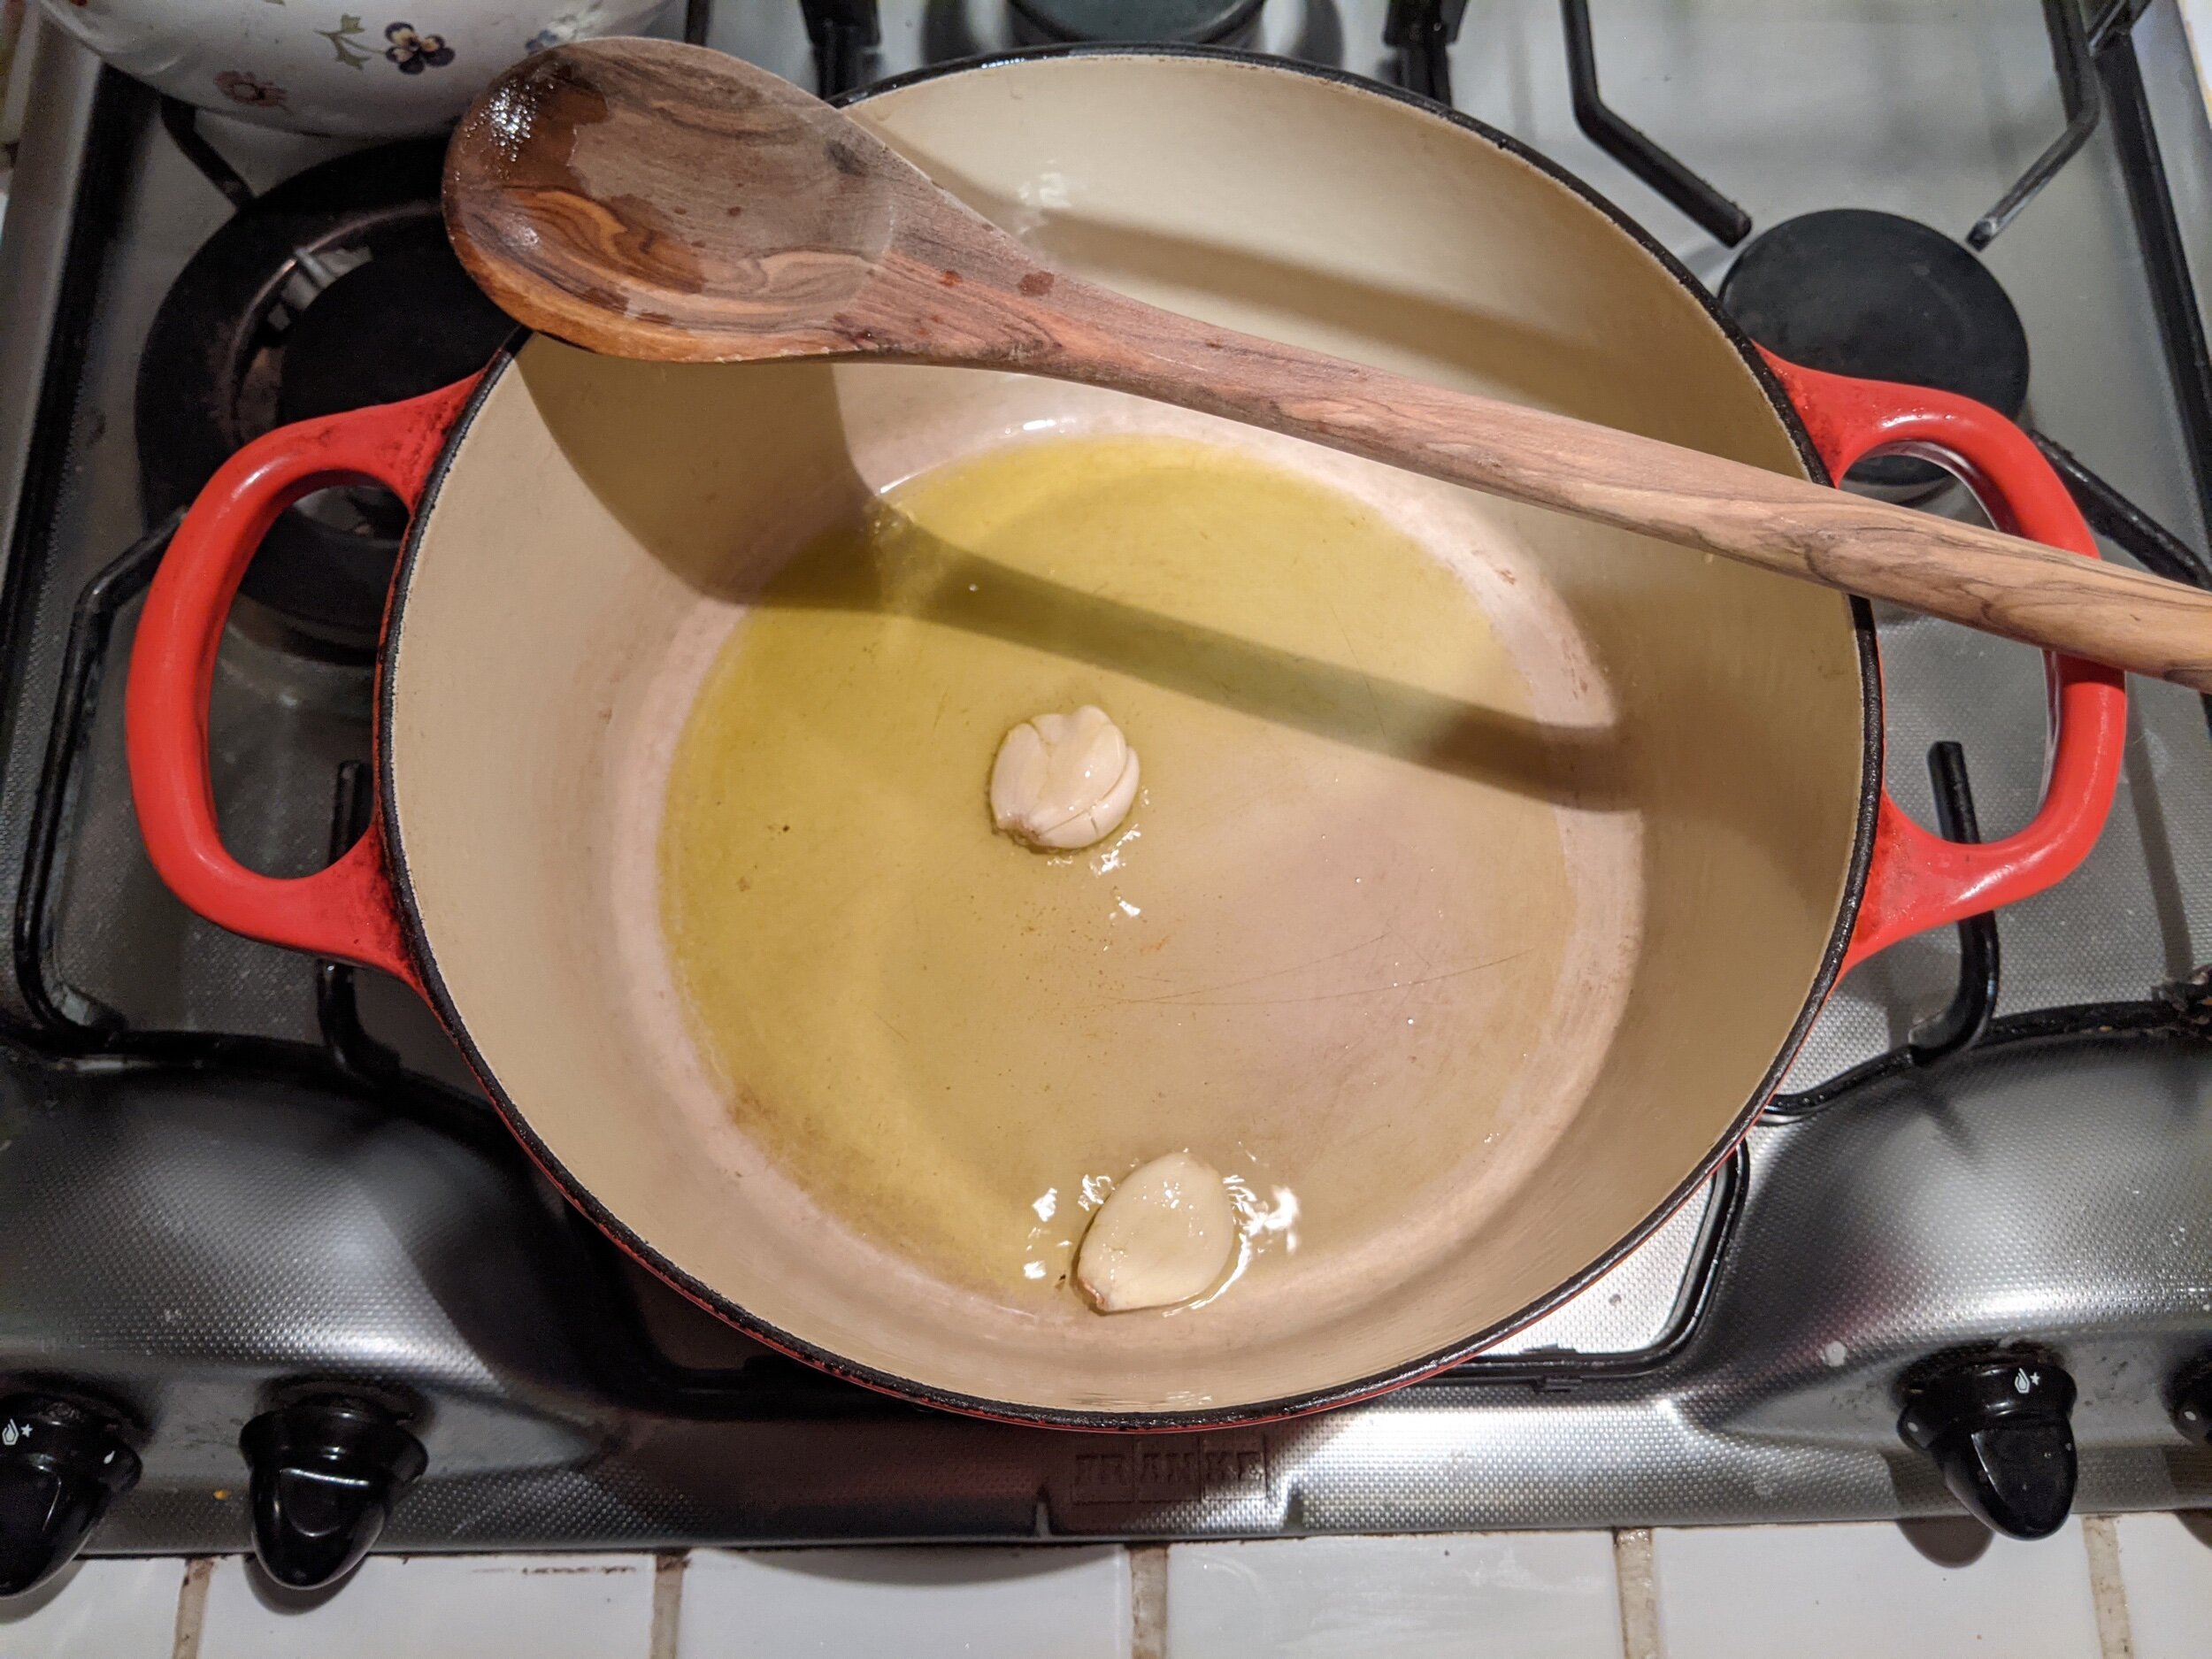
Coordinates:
<point>350,910</point>
<point>1918,880</point>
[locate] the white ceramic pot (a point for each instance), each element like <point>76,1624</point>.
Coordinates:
<point>353,68</point>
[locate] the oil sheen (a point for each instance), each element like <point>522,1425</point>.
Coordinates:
<point>1313,955</point>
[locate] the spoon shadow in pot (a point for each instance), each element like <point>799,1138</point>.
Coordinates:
<point>665,449</point>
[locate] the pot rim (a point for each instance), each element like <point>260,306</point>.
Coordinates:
<point>634,1244</point>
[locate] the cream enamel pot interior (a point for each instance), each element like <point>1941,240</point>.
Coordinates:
<point>1706,736</point>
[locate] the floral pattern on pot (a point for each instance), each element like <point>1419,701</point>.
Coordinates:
<point>570,26</point>
<point>415,52</point>
<point>251,90</point>
<point>341,67</point>
<point>350,53</point>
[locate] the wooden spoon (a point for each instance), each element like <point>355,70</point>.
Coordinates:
<point>654,200</point>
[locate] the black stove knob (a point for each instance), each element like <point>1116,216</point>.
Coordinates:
<point>62,1463</point>
<point>326,1470</point>
<point>1999,1430</point>
<point>2193,1402</point>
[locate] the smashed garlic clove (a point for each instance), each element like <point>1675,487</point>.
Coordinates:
<point>1063,780</point>
<point>1164,1235</point>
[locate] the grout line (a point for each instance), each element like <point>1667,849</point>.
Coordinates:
<point>1638,1589</point>
<point>2107,1594</point>
<point>668,1603</point>
<point>1147,1602</point>
<point>192,1607</point>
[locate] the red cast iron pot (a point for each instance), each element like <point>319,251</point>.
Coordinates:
<point>569,513</point>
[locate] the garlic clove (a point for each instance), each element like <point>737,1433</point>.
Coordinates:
<point>1163,1235</point>
<point>1063,780</point>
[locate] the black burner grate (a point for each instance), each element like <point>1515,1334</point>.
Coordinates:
<point>336,290</point>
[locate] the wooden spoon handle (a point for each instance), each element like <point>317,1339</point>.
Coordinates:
<point>1965,573</point>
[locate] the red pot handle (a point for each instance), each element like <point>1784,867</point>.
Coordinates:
<point>350,910</point>
<point>1919,881</point>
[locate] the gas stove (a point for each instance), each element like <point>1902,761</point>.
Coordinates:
<point>276,1276</point>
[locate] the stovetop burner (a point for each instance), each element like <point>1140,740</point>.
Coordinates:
<point>334,290</point>
<point>1885,299</point>
<point>405,323</point>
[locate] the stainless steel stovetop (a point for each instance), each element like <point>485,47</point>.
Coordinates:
<point>231,1180</point>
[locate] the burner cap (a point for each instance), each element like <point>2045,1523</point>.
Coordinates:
<point>1857,292</point>
<point>405,323</point>
<point>1186,22</point>
<point>245,342</point>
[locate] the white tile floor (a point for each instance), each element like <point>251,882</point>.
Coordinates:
<point>1068,1604</point>
<point>1711,1594</point>
<point>1849,1592</point>
<point>2166,1570</point>
<point>119,1610</point>
<point>1525,1595</point>
<point>549,1607</point>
